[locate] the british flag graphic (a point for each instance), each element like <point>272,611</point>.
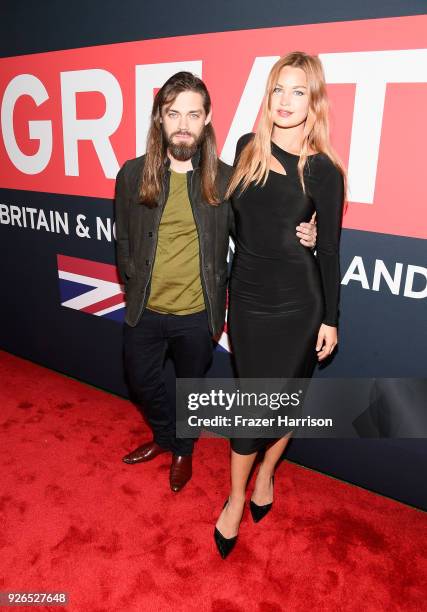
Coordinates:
<point>95,288</point>
<point>91,287</point>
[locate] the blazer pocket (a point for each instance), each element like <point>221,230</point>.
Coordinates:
<point>130,268</point>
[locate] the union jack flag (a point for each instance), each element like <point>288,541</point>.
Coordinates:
<point>91,287</point>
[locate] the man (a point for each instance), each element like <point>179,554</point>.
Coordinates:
<point>172,229</point>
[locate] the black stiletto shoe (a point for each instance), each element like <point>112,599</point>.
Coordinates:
<point>224,545</point>
<point>258,512</point>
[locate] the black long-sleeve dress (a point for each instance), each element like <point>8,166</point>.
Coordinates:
<point>279,291</point>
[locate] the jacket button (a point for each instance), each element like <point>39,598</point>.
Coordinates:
<point>150,234</point>
<point>147,261</point>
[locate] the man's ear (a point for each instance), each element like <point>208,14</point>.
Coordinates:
<point>208,118</point>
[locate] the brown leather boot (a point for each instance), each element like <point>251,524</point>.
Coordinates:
<point>146,452</point>
<point>180,471</point>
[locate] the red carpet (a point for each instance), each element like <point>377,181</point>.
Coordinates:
<point>75,518</point>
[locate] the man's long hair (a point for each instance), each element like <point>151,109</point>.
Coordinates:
<point>254,160</point>
<point>156,156</point>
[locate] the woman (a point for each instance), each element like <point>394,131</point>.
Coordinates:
<point>283,300</point>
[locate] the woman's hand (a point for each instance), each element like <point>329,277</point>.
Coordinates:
<point>327,340</point>
<point>307,232</point>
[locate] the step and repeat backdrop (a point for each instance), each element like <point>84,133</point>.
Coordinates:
<point>71,117</point>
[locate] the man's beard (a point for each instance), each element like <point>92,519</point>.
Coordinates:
<point>183,151</point>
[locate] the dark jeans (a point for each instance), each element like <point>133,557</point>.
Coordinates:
<point>189,343</point>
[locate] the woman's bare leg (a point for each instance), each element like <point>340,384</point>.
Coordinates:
<point>263,491</point>
<point>229,519</point>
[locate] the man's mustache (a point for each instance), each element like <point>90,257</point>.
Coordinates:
<point>182,133</point>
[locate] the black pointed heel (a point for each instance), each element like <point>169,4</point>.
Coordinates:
<point>259,512</point>
<point>224,545</point>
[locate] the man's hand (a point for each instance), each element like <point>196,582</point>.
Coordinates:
<point>307,232</point>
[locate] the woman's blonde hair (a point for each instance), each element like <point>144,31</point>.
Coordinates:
<point>254,160</point>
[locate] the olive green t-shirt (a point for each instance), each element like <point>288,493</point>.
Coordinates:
<point>175,283</point>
